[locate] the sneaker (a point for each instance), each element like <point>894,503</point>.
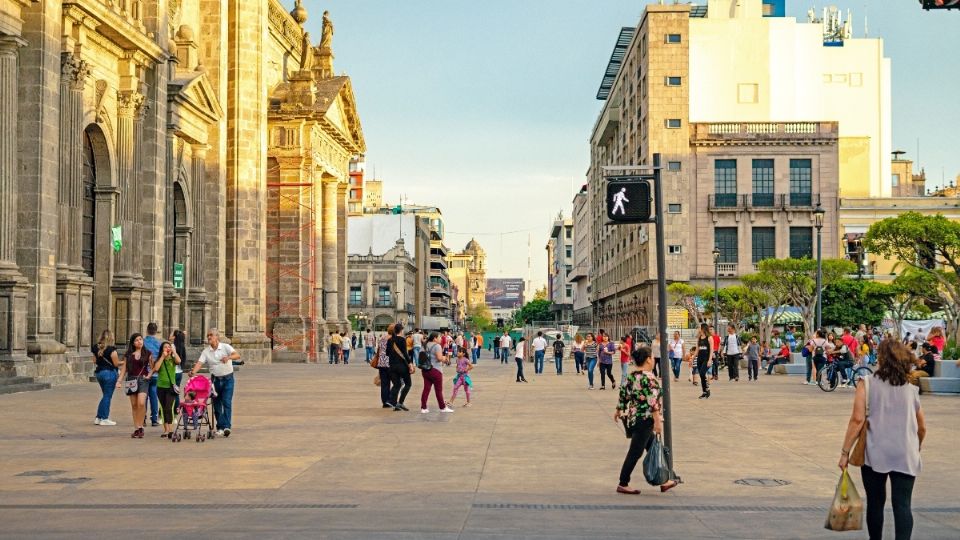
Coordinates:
<point>589,388</point>
<point>424,411</point>
<point>446,409</point>
<point>154,423</point>
<point>219,433</point>
<point>106,422</point>
<point>226,432</point>
<point>96,421</point>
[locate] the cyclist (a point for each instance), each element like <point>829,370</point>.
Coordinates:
<point>844,359</point>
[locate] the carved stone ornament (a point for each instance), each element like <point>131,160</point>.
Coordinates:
<point>130,102</point>
<point>73,71</point>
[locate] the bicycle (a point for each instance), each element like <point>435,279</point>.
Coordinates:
<point>858,373</point>
<point>828,377</point>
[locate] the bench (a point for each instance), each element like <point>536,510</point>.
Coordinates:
<point>797,367</point>
<point>945,380</point>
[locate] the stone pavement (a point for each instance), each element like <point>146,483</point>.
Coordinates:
<point>314,456</point>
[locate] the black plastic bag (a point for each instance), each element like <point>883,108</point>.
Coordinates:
<point>656,468</point>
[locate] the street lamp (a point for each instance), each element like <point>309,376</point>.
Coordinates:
<point>818,213</point>
<point>716,288</point>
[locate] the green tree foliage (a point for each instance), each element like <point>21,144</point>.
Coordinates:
<point>771,296</point>
<point>738,302</point>
<point>685,295</point>
<point>537,309</point>
<point>851,302</point>
<point>799,276</point>
<point>479,318</point>
<point>930,245</point>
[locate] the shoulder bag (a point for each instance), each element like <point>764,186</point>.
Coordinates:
<point>858,452</point>
<point>173,378</point>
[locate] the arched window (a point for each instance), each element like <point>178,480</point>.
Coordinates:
<point>89,219</point>
<point>180,244</point>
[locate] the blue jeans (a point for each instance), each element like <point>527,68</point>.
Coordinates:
<point>675,362</point>
<point>223,402</point>
<point>578,361</point>
<point>346,356</point>
<point>538,362</point>
<point>504,355</point>
<point>154,400</point>
<point>476,354</point>
<point>496,353</point>
<point>416,353</point>
<point>108,384</point>
<point>591,365</point>
<point>369,354</point>
<point>334,354</point>
<point>558,360</point>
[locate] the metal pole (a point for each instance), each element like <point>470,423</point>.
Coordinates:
<point>662,307</point>
<point>819,311</point>
<point>716,296</point>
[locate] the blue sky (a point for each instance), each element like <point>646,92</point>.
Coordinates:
<point>484,108</point>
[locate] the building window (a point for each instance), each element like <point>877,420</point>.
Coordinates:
<point>568,251</point>
<point>801,242</point>
<point>672,81</point>
<point>764,243</point>
<point>725,182</point>
<point>673,165</point>
<point>725,238</point>
<point>801,182</point>
<point>673,123</point>
<point>569,291</point>
<point>762,182</point>
<point>674,208</point>
<point>568,233</point>
<point>675,249</point>
<point>672,38</point>
<point>384,296</point>
<point>568,268</point>
<point>895,180</point>
<point>88,219</point>
<point>356,295</point>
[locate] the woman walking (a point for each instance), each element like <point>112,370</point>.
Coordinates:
<point>704,358</point>
<point>675,350</point>
<point>400,368</point>
<point>433,376</point>
<point>164,367</point>
<point>383,367</point>
<point>135,374</point>
<point>519,356</point>
<point>107,362</point>
<point>606,363</point>
<point>590,350</point>
<point>640,409</point>
<point>179,340</point>
<point>895,433</point>
<point>576,349</point>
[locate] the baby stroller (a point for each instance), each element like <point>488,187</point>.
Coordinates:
<point>195,414</point>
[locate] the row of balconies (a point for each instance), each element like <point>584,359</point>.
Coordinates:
<point>720,202</point>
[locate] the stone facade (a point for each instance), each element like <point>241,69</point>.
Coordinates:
<point>383,288</point>
<point>146,122</point>
<point>468,271</point>
<point>560,259</point>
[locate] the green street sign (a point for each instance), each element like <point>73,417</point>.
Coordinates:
<point>178,275</point>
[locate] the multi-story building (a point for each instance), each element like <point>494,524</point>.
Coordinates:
<point>468,271</point>
<point>579,277</point>
<point>560,267</point>
<point>355,197</point>
<point>902,179</point>
<point>384,288</point>
<point>372,195</point>
<point>758,121</point>
<point>163,131</point>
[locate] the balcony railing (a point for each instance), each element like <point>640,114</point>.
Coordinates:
<point>726,201</point>
<point>762,200</point>
<point>726,269</point>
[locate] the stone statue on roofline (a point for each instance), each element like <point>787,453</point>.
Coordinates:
<point>326,39</point>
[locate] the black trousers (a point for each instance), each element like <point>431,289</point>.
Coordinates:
<point>716,365</point>
<point>901,494</point>
<point>167,398</point>
<point>384,385</point>
<point>753,366</point>
<point>520,376</point>
<point>733,366</point>
<point>606,370</point>
<point>702,371</point>
<point>396,376</point>
<point>642,434</point>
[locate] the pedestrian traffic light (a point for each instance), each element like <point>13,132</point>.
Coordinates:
<point>628,199</point>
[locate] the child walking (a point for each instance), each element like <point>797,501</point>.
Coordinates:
<point>462,377</point>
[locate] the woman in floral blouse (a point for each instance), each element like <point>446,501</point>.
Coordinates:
<point>640,410</point>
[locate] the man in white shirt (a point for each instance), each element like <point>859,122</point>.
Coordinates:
<point>219,357</point>
<point>539,348</point>
<point>369,343</point>
<point>417,343</point>
<point>732,352</point>
<point>505,343</point>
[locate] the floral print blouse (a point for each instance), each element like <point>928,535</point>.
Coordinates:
<point>639,397</point>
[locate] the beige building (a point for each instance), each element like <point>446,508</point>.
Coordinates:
<point>560,267</point>
<point>468,271</point>
<point>372,195</point>
<point>903,180</point>
<point>580,275</point>
<point>173,136</point>
<point>384,289</point>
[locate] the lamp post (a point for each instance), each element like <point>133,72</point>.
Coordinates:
<point>716,288</point>
<point>818,213</point>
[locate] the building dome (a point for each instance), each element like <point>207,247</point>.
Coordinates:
<point>473,246</point>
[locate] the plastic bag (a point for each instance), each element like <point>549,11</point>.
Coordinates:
<point>655,465</point>
<point>846,512</point>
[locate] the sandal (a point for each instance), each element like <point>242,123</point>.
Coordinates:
<point>628,491</point>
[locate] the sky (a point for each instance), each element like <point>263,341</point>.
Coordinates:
<point>485,108</point>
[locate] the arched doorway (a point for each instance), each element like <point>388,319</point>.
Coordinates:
<point>88,224</point>
<point>381,322</point>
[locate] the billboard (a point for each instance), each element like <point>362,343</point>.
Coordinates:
<point>505,293</point>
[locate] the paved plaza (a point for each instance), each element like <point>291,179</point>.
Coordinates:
<point>314,456</point>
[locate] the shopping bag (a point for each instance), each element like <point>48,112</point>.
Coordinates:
<point>655,465</point>
<point>846,512</point>
<point>376,380</point>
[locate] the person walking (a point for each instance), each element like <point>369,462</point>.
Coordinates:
<point>432,372</point>
<point>462,379</point>
<point>576,349</point>
<point>675,351</point>
<point>817,349</point>
<point>152,343</point>
<point>107,364</point>
<point>345,347</point>
<point>715,352</point>
<point>335,343</point>
<point>401,367</point>
<point>135,374</point>
<point>558,347</point>
<point>383,367</point>
<point>539,351</point>
<point>640,409</point>
<point>370,344</point>
<point>704,358</point>
<point>753,359</point>
<point>732,352</point>
<point>895,431</point>
<point>219,357</point>
<point>167,390</point>
<point>495,345</point>
<point>519,357</point>
<point>505,343</point>
<point>607,349</point>
<point>179,339</point>
<point>591,351</point>
<point>655,351</point>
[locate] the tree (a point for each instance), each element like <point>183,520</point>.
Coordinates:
<point>479,318</point>
<point>771,296</point>
<point>799,278</point>
<point>540,294</point>
<point>737,302</point>
<point>909,290</point>
<point>537,309</point>
<point>850,302</point>
<point>928,244</point>
<point>685,295</point>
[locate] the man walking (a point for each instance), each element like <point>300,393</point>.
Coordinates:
<point>477,346</point>
<point>732,352</point>
<point>152,344</point>
<point>370,344</point>
<point>505,343</point>
<point>539,350</point>
<point>558,347</point>
<point>335,342</point>
<point>417,343</point>
<point>219,357</point>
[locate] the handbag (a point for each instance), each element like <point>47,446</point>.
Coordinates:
<point>131,386</point>
<point>846,512</point>
<point>376,380</point>
<point>858,454</point>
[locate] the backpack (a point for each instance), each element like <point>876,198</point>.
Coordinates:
<point>818,351</point>
<point>558,348</point>
<point>423,361</point>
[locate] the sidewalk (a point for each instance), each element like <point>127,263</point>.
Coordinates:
<point>314,456</point>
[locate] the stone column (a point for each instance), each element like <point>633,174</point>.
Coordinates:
<point>13,286</point>
<point>342,290</point>
<point>129,103</point>
<point>198,303</point>
<point>152,164</point>
<point>329,236</point>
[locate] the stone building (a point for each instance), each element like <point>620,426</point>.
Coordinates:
<point>134,161</point>
<point>384,288</point>
<point>560,261</point>
<point>580,275</point>
<point>468,271</point>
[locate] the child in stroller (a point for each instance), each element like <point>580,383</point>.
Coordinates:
<point>194,410</point>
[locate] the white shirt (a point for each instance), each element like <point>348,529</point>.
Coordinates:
<point>732,346</point>
<point>520,346</point>
<point>539,343</point>
<point>346,343</point>
<point>418,340</point>
<point>213,358</point>
<point>369,339</point>
<point>505,342</point>
<point>677,348</point>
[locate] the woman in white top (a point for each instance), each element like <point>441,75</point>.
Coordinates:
<point>576,349</point>
<point>346,347</point>
<point>895,432</point>
<point>675,350</point>
<point>519,356</point>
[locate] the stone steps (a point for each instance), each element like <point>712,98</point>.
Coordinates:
<point>14,385</point>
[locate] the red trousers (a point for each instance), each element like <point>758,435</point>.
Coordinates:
<point>432,377</point>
